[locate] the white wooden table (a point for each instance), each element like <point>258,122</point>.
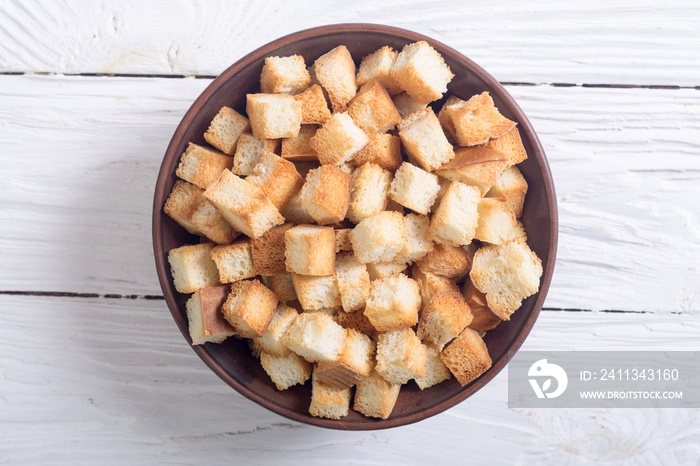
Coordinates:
<point>92,367</point>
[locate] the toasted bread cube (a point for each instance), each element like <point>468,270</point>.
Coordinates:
<point>234,261</point>
<point>278,178</point>
<point>475,166</point>
<point>417,242</point>
<point>249,308</point>
<point>435,370</point>
<point>343,239</point>
<point>379,270</point>
<point>357,320</point>
<point>294,212</point>
<point>510,144</point>
<point>225,129</point>
<point>377,65</point>
<point>268,251</point>
<point>326,194</point>
<point>379,238</point>
<point>456,217</point>
<point>187,205</point>
<point>284,75</point>
<point>369,189</point>
<point>430,284</point>
<point>310,250</point>
<point>484,318</point>
<point>328,401</point>
<point>335,71</point>
<point>202,166</point>
<point>372,109</point>
<point>299,147</point>
<point>421,71</point>
<point>273,116</point>
<point>511,188</point>
<point>314,108</point>
<point>315,337</point>
<point>445,316</point>
<point>281,285</point>
<point>316,292</point>
<point>286,371</point>
<point>476,121</point>
<point>414,188</point>
<point>507,273</point>
<point>446,260</point>
<point>338,140</point>
<point>375,397</point>
<point>424,140</point>
<point>243,205</point>
<point>400,356</point>
<point>497,223</point>
<point>249,151</point>
<point>206,322</point>
<point>271,341</point>
<point>405,104</point>
<point>192,267</point>
<point>354,363</point>
<point>383,149</point>
<point>466,357</point>
<point>393,303</point>
<point>353,281</point>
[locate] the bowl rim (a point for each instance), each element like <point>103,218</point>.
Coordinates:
<point>264,50</point>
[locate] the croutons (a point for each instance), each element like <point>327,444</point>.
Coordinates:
<point>286,371</point>
<point>466,357</point>
<point>446,260</point>
<point>510,144</point>
<point>328,401</point>
<point>484,318</point>
<point>435,369</point>
<point>379,238</point>
<point>414,188</point>
<point>206,323</point>
<point>316,292</point>
<point>284,75</point>
<point>456,217</point>
<point>249,150</point>
<point>369,190</point>
<point>234,261</point>
<point>511,188</point>
<point>372,109</point>
<point>445,316</point>
<point>298,148</point>
<point>475,121</point>
<point>315,337</point>
<point>497,223</point>
<point>406,105</point>
<point>268,251</point>
<point>475,166</point>
<point>375,397</point>
<point>338,139</point>
<point>314,108</point>
<point>335,71</point>
<point>424,140</point>
<point>400,356</point>
<point>417,242</point>
<point>393,303</point>
<point>422,72</point>
<point>249,308</point>
<point>354,363</point>
<point>201,166</point>
<point>192,267</point>
<point>225,129</point>
<point>382,149</point>
<point>326,194</point>
<point>377,65</point>
<point>274,116</point>
<point>277,178</point>
<point>281,285</point>
<point>271,342</point>
<point>310,250</point>
<point>353,281</point>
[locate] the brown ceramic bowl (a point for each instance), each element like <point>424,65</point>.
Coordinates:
<point>232,360</point>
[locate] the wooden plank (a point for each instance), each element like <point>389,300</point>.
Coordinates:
<point>81,376</point>
<point>545,41</point>
<point>80,157</point>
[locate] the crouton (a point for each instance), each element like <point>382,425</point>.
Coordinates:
<point>243,205</point>
<point>328,401</point>
<point>294,212</point>
<point>424,140</point>
<point>338,139</point>
<point>273,116</point>
<point>379,238</point>
<point>375,397</point>
<point>414,188</point>
<point>445,316</point>
<point>315,337</point>
<point>357,320</point>
<point>382,149</point>
<point>430,284</point>
<point>466,357</point>
<point>281,285</point>
<point>354,363</point>
<point>314,108</point>
<point>234,261</point>
<point>476,121</point>
<point>393,303</point>
<point>353,281</point>
<point>271,341</point>
<point>286,371</point>
<point>206,322</point>
<point>249,308</point>
<point>249,150</point>
<point>484,318</point>
<point>405,104</point>
<point>400,356</point>
<point>277,178</point>
<point>456,217</point>
<point>417,242</point>
<point>201,166</point>
<point>225,129</point>
<point>507,273</point>
<point>192,267</point>
<point>497,223</point>
<point>268,251</point>
<point>284,75</point>
<point>343,239</point>
<point>372,109</point>
<point>446,260</point>
<point>310,250</point>
<point>435,370</point>
<point>299,148</point>
<point>379,270</point>
<point>316,292</point>
<point>335,71</point>
<point>377,65</point>
<point>326,194</point>
<point>511,188</point>
<point>369,190</point>
<point>510,144</point>
<point>421,71</point>
<point>475,166</point>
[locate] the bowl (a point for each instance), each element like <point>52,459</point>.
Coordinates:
<point>232,360</point>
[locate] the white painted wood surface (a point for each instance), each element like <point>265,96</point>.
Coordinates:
<point>107,380</point>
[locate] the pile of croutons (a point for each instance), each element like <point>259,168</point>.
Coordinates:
<point>355,237</point>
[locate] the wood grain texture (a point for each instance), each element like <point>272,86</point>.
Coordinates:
<point>546,41</point>
<point>80,158</point>
<point>113,381</point>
